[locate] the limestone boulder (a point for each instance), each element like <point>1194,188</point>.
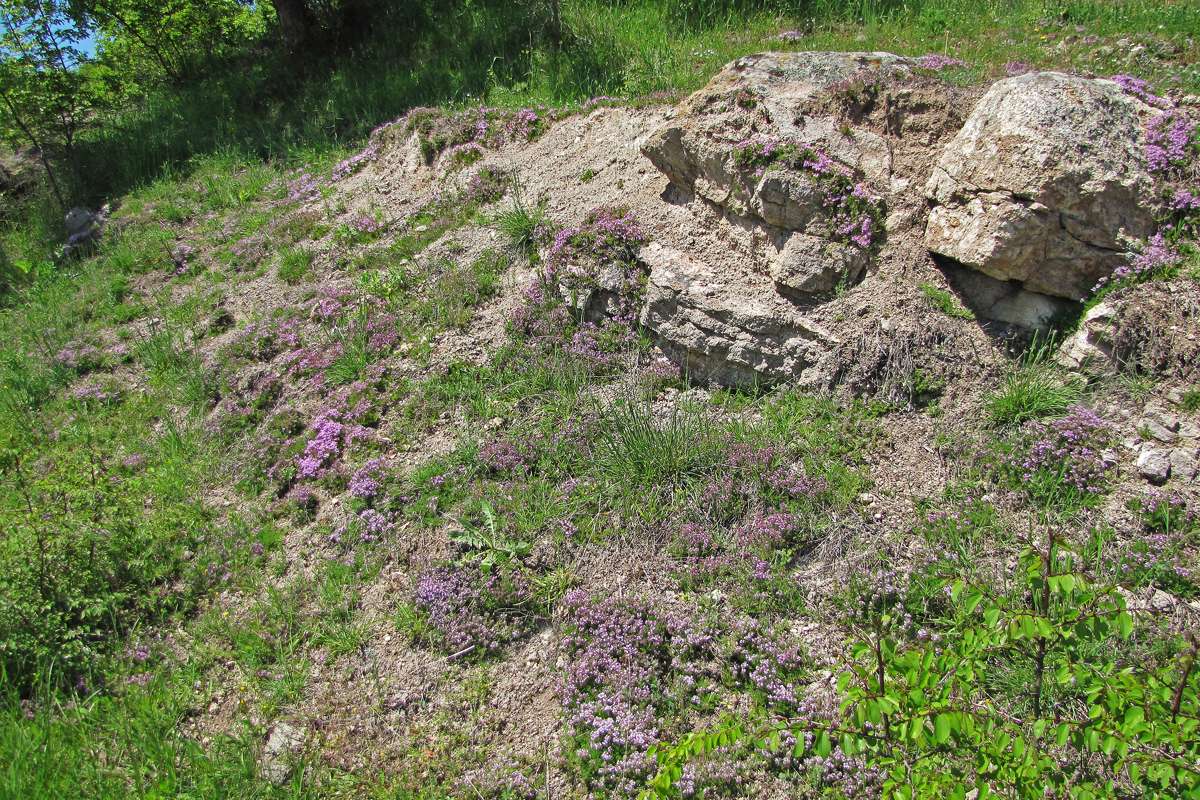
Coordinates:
<point>812,264</point>
<point>1090,346</point>
<point>764,94</point>
<point>1046,174</point>
<point>768,101</point>
<point>724,329</point>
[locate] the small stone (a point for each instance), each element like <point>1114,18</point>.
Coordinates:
<point>1155,430</point>
<point>1183,464</point>
<point>284,741</point>
<point>1154,464</point>
<point>1162,417</point>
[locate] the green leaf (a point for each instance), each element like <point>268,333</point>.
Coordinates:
<point>973,598</point>
<point>941,728</point>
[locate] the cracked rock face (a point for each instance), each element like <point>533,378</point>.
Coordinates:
<point>741,324</point>
<point>724,331</point>
<point>1040,181</point>
<point>694,149</point>
<point>763,98</point>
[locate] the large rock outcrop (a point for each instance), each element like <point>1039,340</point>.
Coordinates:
<point>1036,188</point>
<point>747,144</point>
<point>763,94</point>
<point>754,148</point>
<point>816,170</point>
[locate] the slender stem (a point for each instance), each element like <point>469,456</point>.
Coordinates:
<point>1040,669</point>
<point>1187,673</point>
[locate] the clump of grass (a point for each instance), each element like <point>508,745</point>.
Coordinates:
<point>520,226</point>
<point>1032,392</point>
<point>294,264</point>
<point>945,302</point>
<point>1191,400</point>
<point>587,175</point>
<point>635,449</point>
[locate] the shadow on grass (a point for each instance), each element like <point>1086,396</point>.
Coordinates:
<point>269,106</point>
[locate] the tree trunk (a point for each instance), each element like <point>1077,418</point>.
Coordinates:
<point>295,22</point>
<point>556,28</point>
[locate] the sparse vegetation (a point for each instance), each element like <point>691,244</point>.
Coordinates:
<point>521,225</point>
<point>294,264</point>
<point>945,302</point>
<point>374,444</point>
<point>1032,392</point>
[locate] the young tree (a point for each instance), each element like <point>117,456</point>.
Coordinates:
<point>141,41</point>
<point>44,95</point>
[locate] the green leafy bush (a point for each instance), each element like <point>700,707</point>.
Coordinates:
<point>923,715</point>
<point>91,548</point>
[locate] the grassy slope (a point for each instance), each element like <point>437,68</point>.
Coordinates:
<point>115,739</point>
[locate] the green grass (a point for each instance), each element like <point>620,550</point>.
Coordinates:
<point>1032,392</point>
<point>519,225</point>
<point>453,292</point>
<point>635,449</point>
<point>945,302</point>
<point>99,554</point>
<point>294,264</point>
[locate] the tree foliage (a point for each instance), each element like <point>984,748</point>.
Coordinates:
<point>1097,719</point>
<point>46,95</point>
<point>141,41</point>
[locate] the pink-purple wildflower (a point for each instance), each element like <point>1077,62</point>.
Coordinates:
<point>365,482</point>
<point>1072,451</point>
<point>1136,87</point>
<point>356,162</point>
<point>938,61</point>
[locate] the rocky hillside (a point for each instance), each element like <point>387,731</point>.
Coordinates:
<point>536,440</point>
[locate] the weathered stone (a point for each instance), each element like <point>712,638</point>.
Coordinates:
<point>1160,416</point>
<point>1091,344</point>
<point>79,222</point>
<point>283,743</point>
<point>18,173</point>
<point>696,149</point>
<point>602,299</point>
<point>1155,430</point>
<point>787,200</point>
<point>1154,464</point>
<point>83,230</point>
<point>1047,172</point>
<point>811,264</point>
<point>1160,425</point>
<point>1004,301</point>
<point>1184,463</point>
<point>720,329</point>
